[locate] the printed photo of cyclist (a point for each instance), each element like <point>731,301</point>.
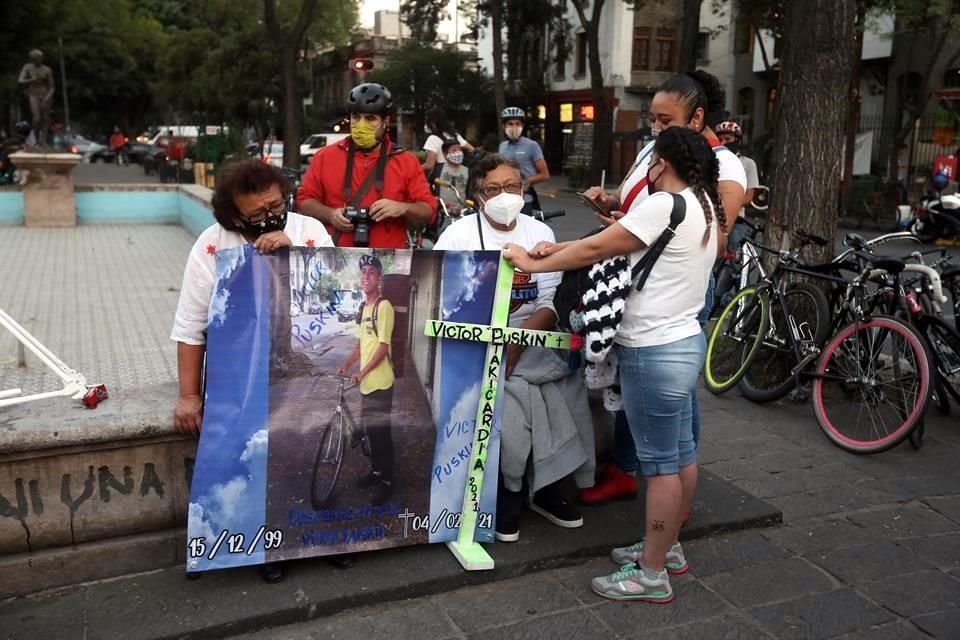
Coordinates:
<point>349,446</point>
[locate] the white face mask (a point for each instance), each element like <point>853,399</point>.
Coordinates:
<point>427,129</point>
<point>504,208</point>
<point>455,157</point>
<point>513,132</point>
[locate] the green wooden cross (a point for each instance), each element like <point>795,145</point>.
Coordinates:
<point>497,334</point>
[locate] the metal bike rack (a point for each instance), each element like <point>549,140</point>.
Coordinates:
<point>74,384</point>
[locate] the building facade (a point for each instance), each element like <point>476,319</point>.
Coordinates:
<point>638,52</point>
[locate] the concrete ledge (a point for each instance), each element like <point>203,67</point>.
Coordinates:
<point>58,423</point>
<point>72,479</point>
<point>231,602</point>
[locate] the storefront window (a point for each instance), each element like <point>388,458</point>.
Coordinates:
<point>566,112</point>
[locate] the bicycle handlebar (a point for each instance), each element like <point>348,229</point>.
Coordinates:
<point>553,214</point>
<point>931,274</point>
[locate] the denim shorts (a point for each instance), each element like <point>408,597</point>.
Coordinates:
<point>659,404</point>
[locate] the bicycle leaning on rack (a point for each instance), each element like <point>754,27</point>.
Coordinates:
<point>870,382</point>
<point>340,429</point>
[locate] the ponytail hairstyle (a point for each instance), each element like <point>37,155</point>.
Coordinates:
<point>698,90</point>
<point>695,163</point>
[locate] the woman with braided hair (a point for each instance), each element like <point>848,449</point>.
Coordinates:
<point>659,345</point>
<point>693,101</point>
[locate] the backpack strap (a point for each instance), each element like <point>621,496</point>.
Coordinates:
<point>641,270</point>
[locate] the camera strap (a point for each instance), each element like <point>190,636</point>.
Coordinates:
<point>373,179</point>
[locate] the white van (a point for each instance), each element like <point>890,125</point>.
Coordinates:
<point>318,141</point>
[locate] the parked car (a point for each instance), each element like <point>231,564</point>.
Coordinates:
<point>137,151</point>
<point>84,146</point>
<point>316,142</point>
<point>348,304</point>
<point>153,159</point>
<point>273,153</point>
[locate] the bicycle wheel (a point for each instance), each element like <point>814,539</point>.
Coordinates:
<point>326,469</point>
<point>872,385</point>
<point>770,376</point>
<point>944,343</point>
<point>735,339</point>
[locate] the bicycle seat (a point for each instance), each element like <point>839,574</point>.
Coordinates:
<point>890,265</point>
<point>855,241</point>
<point>805,237</point>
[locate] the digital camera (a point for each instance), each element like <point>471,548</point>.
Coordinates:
<point>360,219</point>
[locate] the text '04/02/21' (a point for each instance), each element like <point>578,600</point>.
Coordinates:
<point>413,522</point>
<point>235,543</point>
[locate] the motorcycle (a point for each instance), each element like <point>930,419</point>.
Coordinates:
<point>937,216</point>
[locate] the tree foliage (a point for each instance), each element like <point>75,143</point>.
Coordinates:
<point>423,18</point>
<point>139,62</point>
<point>421,76</point>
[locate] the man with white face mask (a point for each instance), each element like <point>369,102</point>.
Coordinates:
<point>526,152</point>
<point>545,402</point>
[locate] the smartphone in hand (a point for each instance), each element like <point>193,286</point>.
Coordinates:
<point>594,205</point>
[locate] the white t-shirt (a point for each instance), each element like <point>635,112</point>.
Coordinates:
<point>753,178</point>
<point>531,291</point>
<point>435,143</point>
<point>666,309</point>
<point>730,169</point>
<point>199,276</point>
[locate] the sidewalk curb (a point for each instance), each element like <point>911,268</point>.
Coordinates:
<point>226,603</point>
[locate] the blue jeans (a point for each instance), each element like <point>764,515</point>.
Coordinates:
<point>624,450</point>
<point>659,407</point>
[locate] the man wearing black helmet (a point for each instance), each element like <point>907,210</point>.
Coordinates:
<point>366,189</point>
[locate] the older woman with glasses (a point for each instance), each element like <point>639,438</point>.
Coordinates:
<point>546,418</point>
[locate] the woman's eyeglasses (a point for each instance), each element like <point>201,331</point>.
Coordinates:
<point>493,190</point>
<point>260,215</point>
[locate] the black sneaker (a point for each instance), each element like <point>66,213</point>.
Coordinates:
<point>508,527</point>
<point>273,572</point>
<point>551,505</point>
<point>342,561</point>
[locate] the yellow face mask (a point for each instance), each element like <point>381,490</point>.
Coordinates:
<point>364,134</point>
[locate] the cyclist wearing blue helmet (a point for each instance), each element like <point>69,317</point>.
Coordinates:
<point>526,152</point>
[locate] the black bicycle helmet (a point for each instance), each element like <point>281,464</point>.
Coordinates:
<point>369,97</point>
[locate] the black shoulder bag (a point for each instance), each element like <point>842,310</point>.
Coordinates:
<point>644,266</point>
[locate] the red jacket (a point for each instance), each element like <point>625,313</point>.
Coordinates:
<point>403,181</point>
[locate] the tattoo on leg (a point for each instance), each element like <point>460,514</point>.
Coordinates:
<point>658,525</point>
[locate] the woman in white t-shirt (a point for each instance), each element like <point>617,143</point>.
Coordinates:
<point>659,344</point>
<point>690,100</point>
<point>250,206</point>
<point>527,433</point>
<point>438,129</point>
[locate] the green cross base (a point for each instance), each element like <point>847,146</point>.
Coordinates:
<point>471,555</point>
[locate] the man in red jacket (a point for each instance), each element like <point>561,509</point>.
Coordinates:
<point>365,189</point>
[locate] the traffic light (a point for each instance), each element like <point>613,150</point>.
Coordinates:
<point>361,64</point>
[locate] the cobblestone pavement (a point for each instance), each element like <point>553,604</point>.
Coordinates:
<point>102,298</point>
<point>869,550</point>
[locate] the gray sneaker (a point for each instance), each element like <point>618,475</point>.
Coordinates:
<point>632,583</point>
<point>675,564</point>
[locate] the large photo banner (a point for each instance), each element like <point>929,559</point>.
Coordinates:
<point>332,423</point>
